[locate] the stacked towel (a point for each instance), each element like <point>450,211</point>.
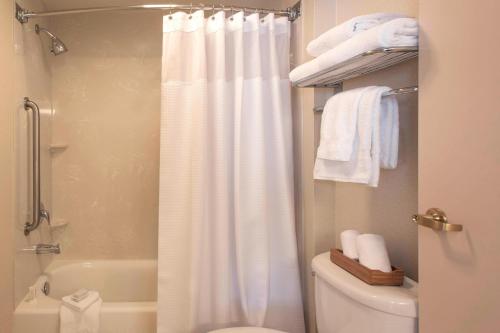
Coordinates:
<point>359,134</point>
<point>398,32</point>
<point>342,32</point>
<point>80,316</point>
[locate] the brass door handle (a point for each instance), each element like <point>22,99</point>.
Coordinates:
<point>435,219</point>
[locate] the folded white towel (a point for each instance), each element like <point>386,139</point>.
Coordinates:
<point>398,32</point>
<point>373,252</point>
<point>80,317</point>
<point>348,241</point>
<point>83,304</point>
<point>363,139</point>
<point>342,32</point>
<point>338,125</point>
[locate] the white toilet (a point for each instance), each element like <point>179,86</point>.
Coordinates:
<point>345,304</point>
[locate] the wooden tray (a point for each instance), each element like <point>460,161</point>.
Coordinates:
<point>370,276</point>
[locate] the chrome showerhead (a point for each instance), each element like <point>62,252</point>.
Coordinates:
<point>56,45</point>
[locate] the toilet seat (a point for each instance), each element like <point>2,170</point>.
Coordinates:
<point>246,330</point>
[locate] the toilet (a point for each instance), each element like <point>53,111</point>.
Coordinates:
<point>345,304</point>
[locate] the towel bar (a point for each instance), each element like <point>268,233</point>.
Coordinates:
<point>393,92</point>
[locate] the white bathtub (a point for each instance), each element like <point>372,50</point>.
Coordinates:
<point>127,288</point>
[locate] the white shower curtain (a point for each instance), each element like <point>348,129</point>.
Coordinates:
<point>227,244</point>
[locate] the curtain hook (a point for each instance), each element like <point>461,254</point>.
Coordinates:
<point>232,13</point>
<point>190,11</point>
<point>213,11</point>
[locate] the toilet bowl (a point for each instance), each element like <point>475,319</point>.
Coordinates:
<point>246,330</point>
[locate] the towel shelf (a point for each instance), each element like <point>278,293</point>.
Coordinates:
<point>361,64</point>
<point>393,92</point>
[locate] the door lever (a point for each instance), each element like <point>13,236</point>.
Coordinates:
<point>435,219</point>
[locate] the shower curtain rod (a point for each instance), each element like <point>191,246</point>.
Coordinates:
<point>23,15</point>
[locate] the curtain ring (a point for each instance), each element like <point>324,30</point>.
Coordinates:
<point>213,11</point>
<point>170,14</point>
<point>232,13</point>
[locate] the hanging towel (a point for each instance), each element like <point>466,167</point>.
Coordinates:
<point>376,118</point>
<point>389,132</point>
<point>398,32</point>
<point>338,125</point>
<point>82,316</point>
<point>342,32</point>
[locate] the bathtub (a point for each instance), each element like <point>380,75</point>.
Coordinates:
<point>127,288</point>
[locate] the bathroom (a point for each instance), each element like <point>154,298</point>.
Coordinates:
<point>178,151</point>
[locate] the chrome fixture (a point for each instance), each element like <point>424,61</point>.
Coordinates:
<point>44,249</point>
<point>57,46</point>
<point>361,64</point>
<point>38,211</point>
<point>23,15</point>
<point>393,92</point>
<point>46,288</point>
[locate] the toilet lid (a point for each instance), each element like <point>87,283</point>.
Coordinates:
<point>246,330</point>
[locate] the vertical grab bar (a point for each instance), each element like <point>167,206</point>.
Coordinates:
<point>38,212</point>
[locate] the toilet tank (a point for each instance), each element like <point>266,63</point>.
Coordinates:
<point>345,304</point>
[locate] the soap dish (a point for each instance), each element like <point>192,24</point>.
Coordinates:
<point>370,276</point>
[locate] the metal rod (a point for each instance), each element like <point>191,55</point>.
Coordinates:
<point>393,92</point>
<point>38,212</point>
<point>24,15</point>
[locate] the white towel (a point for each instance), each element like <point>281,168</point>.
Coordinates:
<point>342,32</point>
<point>398,32</point>
<point>365,138</point>
<point>338,125</point>
<point>348,241</point>
<point>80,317</point>
<point>373,252</point>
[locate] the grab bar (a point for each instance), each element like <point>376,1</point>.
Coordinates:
<point>38,211</point>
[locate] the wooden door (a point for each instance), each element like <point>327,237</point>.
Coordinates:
<point>459,165</point>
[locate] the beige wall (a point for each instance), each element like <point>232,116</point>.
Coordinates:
<point>314,200</point>
<point>326,208</point>
<point>7,107</point>
<point>33,80</point>
<point>387,209</point>
<point>107,99</point>
<point>24,73</point>
<point>106,92</point>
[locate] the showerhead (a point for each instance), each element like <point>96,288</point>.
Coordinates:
<point>56,45</point>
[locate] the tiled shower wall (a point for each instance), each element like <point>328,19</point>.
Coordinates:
<point>106,93</point>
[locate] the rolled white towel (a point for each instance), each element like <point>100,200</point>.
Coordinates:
<point>342,32</point>
<point>373,252</point>
<point>398,32</point>
<point>348,241</point>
